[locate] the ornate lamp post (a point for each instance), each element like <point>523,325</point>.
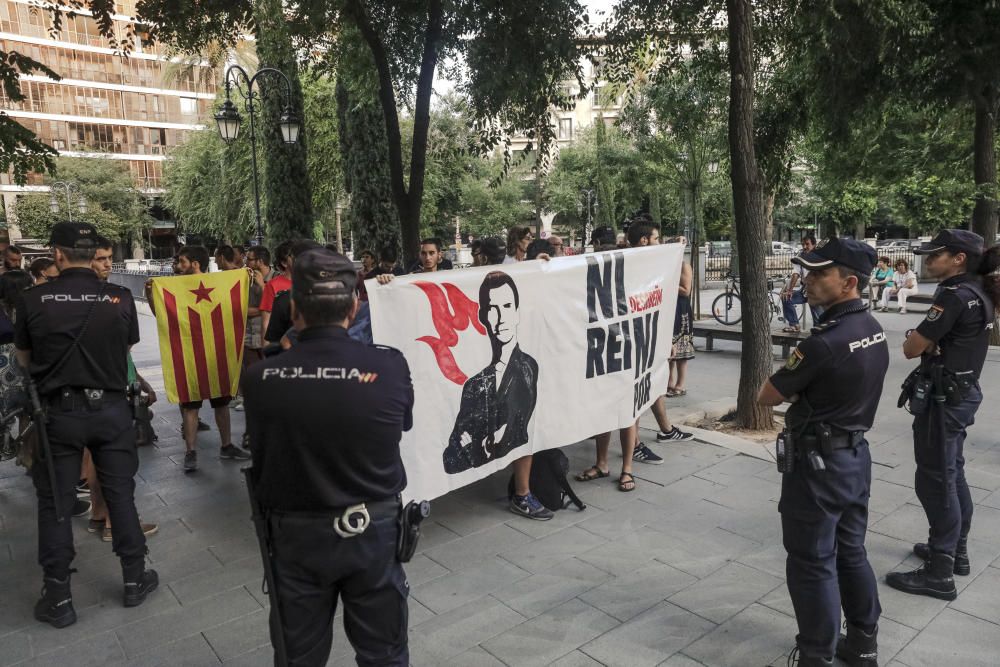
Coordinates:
<point>69,187</point>
<point>228,118</point>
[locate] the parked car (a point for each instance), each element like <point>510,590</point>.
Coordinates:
<point>904,244</point>
<point>720,248</point>
<point>781,248</point>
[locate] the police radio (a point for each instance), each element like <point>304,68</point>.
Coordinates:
<point>784,452</point>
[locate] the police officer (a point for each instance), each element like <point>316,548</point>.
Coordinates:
<point>952,342</point>
<point>325,420</point>
<point>73,335</point>
<point>833,381</point>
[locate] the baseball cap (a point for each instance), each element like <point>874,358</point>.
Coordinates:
<point>322,271</point>
<point>956,240</point>
<point>855,255</point>
<point>81,235</point>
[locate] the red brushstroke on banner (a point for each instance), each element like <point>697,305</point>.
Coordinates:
<point>452,312</point>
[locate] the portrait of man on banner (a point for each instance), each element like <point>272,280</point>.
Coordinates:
<point>498,402</point>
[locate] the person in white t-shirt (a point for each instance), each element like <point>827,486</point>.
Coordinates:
<point>904,285</point>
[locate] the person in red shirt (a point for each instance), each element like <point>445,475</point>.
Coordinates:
<point>279,283</point>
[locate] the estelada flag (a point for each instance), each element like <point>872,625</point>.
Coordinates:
<point>201,320</point>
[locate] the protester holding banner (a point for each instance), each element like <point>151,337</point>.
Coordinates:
<point>597,328</point>
<point>206,337</point>
<point>325,420</point>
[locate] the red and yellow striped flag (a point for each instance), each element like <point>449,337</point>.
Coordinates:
<point>201,321</point>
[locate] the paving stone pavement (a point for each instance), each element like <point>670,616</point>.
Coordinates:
<point>686,570</point>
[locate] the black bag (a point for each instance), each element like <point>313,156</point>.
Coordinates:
<point>548,481</point>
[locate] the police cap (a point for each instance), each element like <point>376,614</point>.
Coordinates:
<point>855,255</point>
<point>322,271</point>
<point>73,235</point>
<point>954,240</point>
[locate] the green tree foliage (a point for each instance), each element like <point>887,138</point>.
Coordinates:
<point>365,159</point>
<point>603,159</point>
<point>208,186</point>
<point>510,60</point>
<point>113,205</point>
<point>209,183</point>
<point>933,53</point>
<point>493,199</point>
<point>288,209</point>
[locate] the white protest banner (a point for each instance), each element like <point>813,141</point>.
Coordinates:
<point>512,359</point>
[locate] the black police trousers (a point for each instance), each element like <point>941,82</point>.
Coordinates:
<point>938,450</point>
<point>314,566</point>
<point>110,436</point>
<point>824,516</point>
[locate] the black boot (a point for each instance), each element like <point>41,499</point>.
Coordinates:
<point>857,648</point>
<point>933,578</point>
<point>56,605</point>
<point>138,586</point>
<point>962,567</point>
<point>795,658</point>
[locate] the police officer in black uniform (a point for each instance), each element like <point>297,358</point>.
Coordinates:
<point>325,420</point>
<point>73,335</point>
<point>944,395</point>
<point>834,381</point>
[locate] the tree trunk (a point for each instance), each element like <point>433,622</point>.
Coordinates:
<point>407,202</point>
<point>285,176</point>
<point>756,363</point>
<point>984,215</point>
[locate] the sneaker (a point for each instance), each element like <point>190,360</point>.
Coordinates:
<point>95,525</point>
<point>674,435</point>
<point>237,404</point>
<point>147,530</point>
<point>231,451</point>
<point>190,461</point>
<point>644,454</point>
<point>81,507</point>
<point>902,311</point>
<point>530,507</point>
<point>202,426</point>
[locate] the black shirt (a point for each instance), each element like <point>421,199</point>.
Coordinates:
<point>325,419</point>
<point>959,321</point>
<point>838,372</point>
<point>281,317</point>
<point>49,318</point>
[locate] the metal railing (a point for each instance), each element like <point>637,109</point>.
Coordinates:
<point>778,265</point>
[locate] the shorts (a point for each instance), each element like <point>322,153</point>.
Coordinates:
<point>220,402</point>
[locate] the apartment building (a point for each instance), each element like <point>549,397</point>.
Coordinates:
<point>133,108</point>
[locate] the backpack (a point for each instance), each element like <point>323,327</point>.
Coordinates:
<point>548,481</point>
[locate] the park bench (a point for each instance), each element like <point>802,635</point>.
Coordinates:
<point>712,331</point>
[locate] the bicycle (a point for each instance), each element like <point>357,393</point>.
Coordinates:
<point>727,308</point>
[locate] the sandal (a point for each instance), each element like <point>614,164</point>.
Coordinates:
<point>592,473</point>
<point>671,391</point>
<point>680,392</point>
<point>791,330</point>
<point>626,485</point>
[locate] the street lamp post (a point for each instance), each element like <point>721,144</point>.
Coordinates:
<point>229,121</point>
<point>591,196</point>
<point>69,187</point>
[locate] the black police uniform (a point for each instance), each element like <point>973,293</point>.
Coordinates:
<point>81,382</point>
<point>324,421</point>
<point>959,322</point>
<point>838,374</point>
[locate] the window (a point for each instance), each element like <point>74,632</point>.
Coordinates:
<point>599,96</point>
<point>565,128</point>
<point>189,106</point>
